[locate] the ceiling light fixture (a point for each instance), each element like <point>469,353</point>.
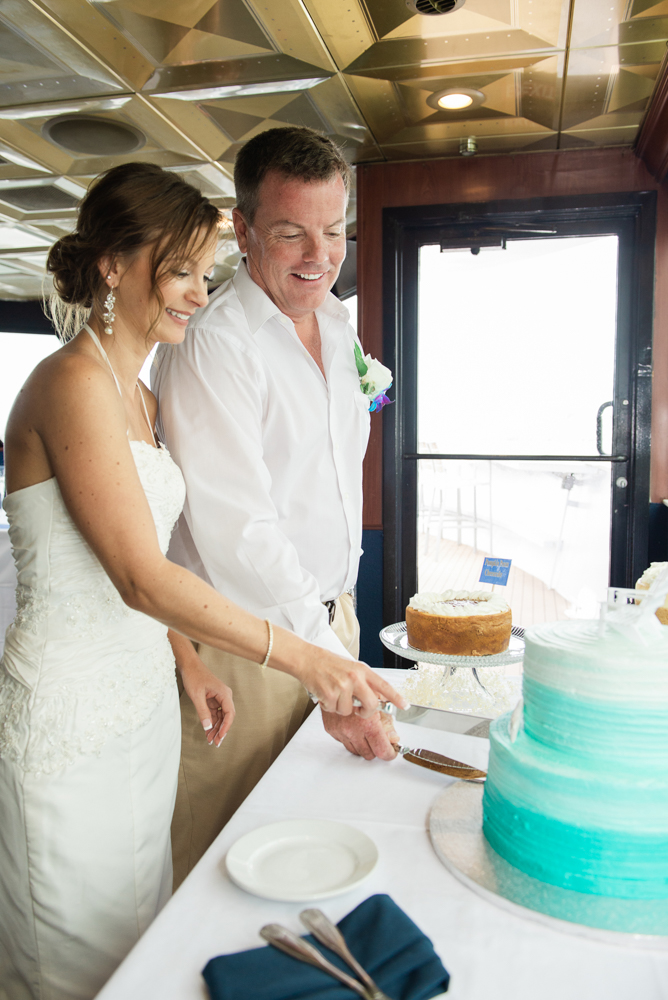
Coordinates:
<point>456,99</point>
<point>455,102</point>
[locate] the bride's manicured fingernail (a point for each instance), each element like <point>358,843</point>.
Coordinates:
<point>405,705</point>
<point>221,739</point>
<point>207,724</point>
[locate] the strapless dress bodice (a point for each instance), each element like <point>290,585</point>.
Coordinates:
<point>79,666</point>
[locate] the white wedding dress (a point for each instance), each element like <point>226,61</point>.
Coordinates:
<point>89,751</point>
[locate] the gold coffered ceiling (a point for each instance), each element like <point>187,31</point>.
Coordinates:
<point>184,82</point>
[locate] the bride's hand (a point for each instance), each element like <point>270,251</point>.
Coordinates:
<point>335,681</point>
<point>212,699</point>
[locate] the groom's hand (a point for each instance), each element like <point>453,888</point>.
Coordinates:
<point>366,738</point>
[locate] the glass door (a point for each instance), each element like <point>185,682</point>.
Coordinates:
<point>520,336</point>
<point>521,362</point>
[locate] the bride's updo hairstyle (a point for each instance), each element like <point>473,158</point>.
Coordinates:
<point>125,209</point>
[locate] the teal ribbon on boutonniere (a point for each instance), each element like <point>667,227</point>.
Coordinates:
<point>375,380</point>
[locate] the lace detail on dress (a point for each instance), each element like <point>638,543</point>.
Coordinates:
<point>88,614</point>
<point>14,703</point>
<point>45,734</point>
<point>32,608</point>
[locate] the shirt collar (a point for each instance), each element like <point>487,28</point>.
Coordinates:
<point>256,304</point>
<point>259,308</point>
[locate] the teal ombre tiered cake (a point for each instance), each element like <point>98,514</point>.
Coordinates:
<point>577,787</point>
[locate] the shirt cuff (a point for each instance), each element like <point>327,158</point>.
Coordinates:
<point>327,639</point>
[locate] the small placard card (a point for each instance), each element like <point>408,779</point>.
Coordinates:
<point>495,571</point>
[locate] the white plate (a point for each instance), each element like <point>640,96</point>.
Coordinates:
<point>301,860</point>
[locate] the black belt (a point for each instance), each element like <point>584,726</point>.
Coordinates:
<point>331,608</point>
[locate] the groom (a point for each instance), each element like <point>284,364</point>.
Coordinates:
<point>262,409</point>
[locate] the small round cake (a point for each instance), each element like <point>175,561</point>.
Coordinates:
<point>459,623</point>
<point>646,581</point>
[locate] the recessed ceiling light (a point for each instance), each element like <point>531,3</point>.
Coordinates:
<point>456,99</point>
<point>453,102</point>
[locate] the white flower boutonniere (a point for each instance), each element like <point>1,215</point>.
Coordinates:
<point>375,380</point>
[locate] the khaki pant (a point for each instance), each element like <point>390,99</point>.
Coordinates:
<point>270,708</point>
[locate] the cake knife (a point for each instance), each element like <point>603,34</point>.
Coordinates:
<point>437,762</point>
<point>427,758</point>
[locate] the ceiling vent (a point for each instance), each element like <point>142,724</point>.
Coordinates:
<point>37,198</point>
<point>432,7</point>
<point>93,136</point>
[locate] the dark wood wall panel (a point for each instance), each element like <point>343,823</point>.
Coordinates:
<point>652,141</point>
<point>535,175</point>
<point>659,486</point>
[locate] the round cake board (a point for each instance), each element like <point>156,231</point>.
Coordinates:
<point>455,828</point>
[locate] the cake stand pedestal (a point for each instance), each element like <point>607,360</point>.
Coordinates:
<point>462,686</point>
<point>455,828</point>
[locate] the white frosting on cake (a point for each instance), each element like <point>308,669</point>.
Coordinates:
<point>455,603</point>
<point>650,575</point>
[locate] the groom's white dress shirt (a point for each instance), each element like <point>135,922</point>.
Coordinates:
<point>271,453</point>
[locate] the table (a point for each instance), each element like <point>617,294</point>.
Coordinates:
<point>488,952</point>
<point>7,585</point>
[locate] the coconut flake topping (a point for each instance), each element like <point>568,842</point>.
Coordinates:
<point>650,575</point>
<point>452,603</point>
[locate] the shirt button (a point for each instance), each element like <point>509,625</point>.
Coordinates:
<point>346,496</point>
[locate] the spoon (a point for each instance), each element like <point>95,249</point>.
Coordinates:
<point>327,933</point>
<point>283,939</point>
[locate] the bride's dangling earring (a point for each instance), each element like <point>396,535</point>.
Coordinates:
<point>108,316</point>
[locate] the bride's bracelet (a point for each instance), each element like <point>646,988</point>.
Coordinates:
<point>271,644</point>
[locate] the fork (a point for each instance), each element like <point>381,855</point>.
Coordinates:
<point>327,933</point>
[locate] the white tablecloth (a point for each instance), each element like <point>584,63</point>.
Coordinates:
<point>7,585</point>
<point>488,952</point>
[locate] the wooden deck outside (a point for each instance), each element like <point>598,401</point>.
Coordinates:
<point>448,566</point>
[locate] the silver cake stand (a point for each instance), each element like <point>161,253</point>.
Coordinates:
<point>455,828</point>
<point>463,682</point>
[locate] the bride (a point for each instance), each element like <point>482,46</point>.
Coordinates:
<point>89,716</point>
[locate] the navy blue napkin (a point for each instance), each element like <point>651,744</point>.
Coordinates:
<point>382,938</point>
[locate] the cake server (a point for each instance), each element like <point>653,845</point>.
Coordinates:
<point>437,762</point>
